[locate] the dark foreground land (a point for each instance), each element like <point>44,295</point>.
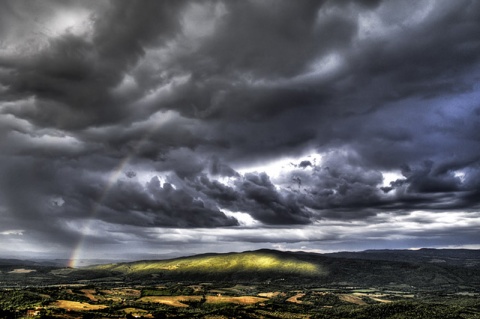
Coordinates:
<point>261,284</point>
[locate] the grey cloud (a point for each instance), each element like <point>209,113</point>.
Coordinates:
<point>230,80</point>
<point>371,86</point>
<point>129,202</point>
<point>225,196</point>
<point>424,180</point>
<point>72,77</point>
<point>274,47</point>
<point>165,205</point>
<point>265,203</point>
<point>130,174</point>
<point>255,194</point>
<point>222,169</point>
<point>386,189</point>
<point>304,164</point>
<point>342,184</point>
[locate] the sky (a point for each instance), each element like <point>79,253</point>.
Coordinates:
<point>145,129</point>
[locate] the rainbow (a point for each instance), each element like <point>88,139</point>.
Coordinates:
<point>112,180</point>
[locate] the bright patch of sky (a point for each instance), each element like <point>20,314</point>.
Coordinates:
<point>277,167</point>
<point>73,21</point>
<point>391,176</point>
<point>15,232</point>
<point>244,219</point>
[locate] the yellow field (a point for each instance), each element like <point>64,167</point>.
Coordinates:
<point>21,271</point>
<point>136,312</point>
<point>127,292</point>
<point>243,300</point>
<point>196,288</point>
<point>376,297</point>
<point>352,299</point>
<point>117,294</point>
<point>77,306</point>
<point>295,298</point>
<point>380,300</point>
<point>269,294</point>
<point>283,315</point>
<point>90,294</point>
<point>177,301</point>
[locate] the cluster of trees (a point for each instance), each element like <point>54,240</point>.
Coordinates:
<point>18,299</point>
<point>396,310</point>
<point>174,290</point>
<point>7,314</point>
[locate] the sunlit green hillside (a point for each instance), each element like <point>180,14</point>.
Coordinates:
<point>258,261</point>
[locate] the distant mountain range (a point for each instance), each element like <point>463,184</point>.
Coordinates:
<point>397,269</point>
<point>453,257</point>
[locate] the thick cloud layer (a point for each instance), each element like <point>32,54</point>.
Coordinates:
<point>122,121</point>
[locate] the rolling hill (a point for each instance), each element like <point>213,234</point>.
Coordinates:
<point>396,269</point>
<point>307,268</point>
<point>251,265</point>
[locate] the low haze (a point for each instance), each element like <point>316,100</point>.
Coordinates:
<point>142,129</point>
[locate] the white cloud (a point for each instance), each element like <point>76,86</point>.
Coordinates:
<point>12,232</point>
<point>276,168</point>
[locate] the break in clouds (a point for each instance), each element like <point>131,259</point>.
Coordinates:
<point>159,126</point>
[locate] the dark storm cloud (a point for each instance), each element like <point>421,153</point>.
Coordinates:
<point>256,195</point>
<point>72,77</point>
<point>160,205</point>
<point>129,202</point>
<point>278,36</point>
<point>148,114</point>
<point>423,180</point>
<point>342,188</point>
<point>304,164</point>
<point>341,181</point>
<point>222,169</point>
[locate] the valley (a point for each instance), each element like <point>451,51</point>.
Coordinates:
<point>258,284</point>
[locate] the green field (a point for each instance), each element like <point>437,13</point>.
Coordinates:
<point>236,301</point>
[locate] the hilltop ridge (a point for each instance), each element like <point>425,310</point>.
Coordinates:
<point>396,268</point>
<point>258,265</point>
<point>407,268</point>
